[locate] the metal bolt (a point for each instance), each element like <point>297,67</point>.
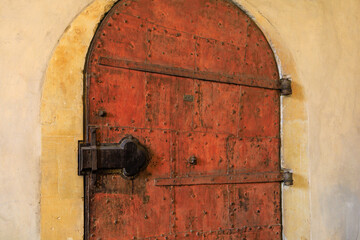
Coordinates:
<point>192,160</point>
<point>101,113</point>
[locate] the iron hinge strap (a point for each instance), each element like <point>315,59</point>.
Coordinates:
<point>266,177</point>
<point>246,80</point>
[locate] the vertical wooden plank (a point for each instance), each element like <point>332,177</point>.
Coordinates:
<point>253,154</point>
<point>209,149</point>
<point>120,93</point>
<point>201,208</point>
<point>217,107</point>
<point>170,47</point>
<point>259,112</point>
<point>259,57</point>
<point>220,57</point>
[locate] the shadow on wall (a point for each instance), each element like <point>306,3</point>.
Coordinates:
<point>341,209</point>
<point>340,196</point>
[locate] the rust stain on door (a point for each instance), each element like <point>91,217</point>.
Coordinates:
<point>197,84</point>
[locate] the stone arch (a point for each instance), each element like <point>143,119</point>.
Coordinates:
<point>61,119</point>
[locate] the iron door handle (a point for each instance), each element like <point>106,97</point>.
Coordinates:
<point>129,156</point>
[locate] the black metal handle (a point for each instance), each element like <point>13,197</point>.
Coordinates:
<point>136,156</point>
<point>129,156</point>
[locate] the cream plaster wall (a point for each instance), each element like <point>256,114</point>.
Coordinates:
<point>29,32</point>
<point>318,44</point>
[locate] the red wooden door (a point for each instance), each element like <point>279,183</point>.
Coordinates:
<point>197,84</point>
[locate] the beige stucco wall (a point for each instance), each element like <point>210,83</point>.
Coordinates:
<point>29,32</point>
<point>318,44</point>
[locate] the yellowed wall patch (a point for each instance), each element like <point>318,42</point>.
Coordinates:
<point>62,126</point>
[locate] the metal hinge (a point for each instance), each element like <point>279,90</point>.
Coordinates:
<point>287,178</point>
<point>285,86</point>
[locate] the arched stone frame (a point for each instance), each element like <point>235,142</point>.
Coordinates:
<point>61,118</point>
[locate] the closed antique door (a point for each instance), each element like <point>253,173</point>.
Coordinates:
<point>195,83</point>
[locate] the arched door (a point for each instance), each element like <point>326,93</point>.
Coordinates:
<point>196,83</point>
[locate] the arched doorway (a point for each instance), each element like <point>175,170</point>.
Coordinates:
<point>197,83</point>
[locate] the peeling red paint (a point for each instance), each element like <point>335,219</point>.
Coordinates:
<point>188,80</point>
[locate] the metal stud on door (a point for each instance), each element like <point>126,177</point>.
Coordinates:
<point>182,125</point>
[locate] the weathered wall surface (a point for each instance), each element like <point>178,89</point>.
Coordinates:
<point>62,126</point>
<point>318,44</point>
<point>29,33</point>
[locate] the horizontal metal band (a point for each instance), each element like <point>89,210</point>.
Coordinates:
<point>245,80</point>
<point>223,179</point>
